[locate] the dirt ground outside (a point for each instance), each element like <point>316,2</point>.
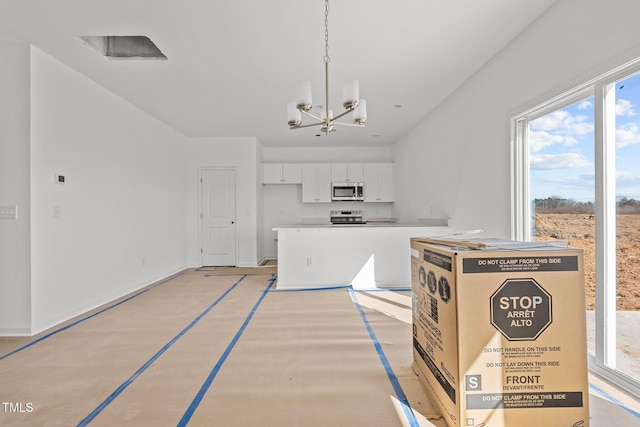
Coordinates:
<point>579,231</point>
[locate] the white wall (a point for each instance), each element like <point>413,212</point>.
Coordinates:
<point>260,255</point>
<point>129,201</point>
<point>283,203</point>
<point>238,153</point>
<point>15,286</point>
<point>457,161</point>
<point>327,154</point>
<point>123,207</point>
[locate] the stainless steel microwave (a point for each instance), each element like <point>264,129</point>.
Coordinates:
<point>347,191</point>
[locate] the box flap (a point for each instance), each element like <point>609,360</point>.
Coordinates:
<point>489,244</point>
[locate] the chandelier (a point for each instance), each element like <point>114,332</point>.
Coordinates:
<point>326,120</point>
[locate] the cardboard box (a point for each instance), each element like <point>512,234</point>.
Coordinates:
<point>499,332</point>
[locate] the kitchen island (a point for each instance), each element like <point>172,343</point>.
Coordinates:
<point>366,256</point>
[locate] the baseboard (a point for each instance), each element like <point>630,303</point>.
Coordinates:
<point>321,285</point>
<point>299,286</point>
<point>392,285</point>
<point>247,264</point>
<point>15,332</point>
<point>82,311</point>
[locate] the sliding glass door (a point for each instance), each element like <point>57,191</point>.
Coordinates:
<point>576,175</point>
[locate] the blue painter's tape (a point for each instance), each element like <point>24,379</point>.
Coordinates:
<point>64,328</point>
<point>614,400</point>
<point>406,407</point>
<point>136,374</point>
<point>212,375</point>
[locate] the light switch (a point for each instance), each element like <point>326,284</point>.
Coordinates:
<point>56,212</point>
<point>9,212</point>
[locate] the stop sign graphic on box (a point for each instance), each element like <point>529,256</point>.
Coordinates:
<point>521,309</point>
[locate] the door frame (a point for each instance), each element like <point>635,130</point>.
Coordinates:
<point>201,171</point>
<point>603,361</point>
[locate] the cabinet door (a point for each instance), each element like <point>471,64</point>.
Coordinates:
<point>316,183</point>
<point>292,173</point>
<point>323,182</point>
<point>339,172</point>
<point>378,182</point>
<point>309,193</point>
<point>371,187</point>
<point>272,173</point>
<point>347,172</point>
<point>355,172</point>
<point>385,182</point>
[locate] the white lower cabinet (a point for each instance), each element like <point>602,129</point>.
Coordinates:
<point>316,183</point>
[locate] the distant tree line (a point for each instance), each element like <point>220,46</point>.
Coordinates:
<point>559,205</point>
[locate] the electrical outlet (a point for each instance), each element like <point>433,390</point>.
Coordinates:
<point>9,212</point>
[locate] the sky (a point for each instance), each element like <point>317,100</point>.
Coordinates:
<point>562,148</point>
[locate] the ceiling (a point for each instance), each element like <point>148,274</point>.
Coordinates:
<point>233,65</point>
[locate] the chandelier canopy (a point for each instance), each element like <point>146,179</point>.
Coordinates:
<point>326,120</point>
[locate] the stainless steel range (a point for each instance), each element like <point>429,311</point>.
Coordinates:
<point>347,217</point>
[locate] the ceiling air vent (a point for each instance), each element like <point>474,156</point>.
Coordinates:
<point>124,47</point>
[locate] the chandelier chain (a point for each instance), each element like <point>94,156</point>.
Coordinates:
<point>326,32</point>
<point>325,119</point>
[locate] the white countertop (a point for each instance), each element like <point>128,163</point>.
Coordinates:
<point>349,226</point>
<point>320,223</point>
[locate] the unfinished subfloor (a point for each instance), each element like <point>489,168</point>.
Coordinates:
<point>231,350</point>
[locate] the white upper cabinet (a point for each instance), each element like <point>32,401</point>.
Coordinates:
<point>282,173</point>
<point>316,183</point>
<point>378,182</point>
<point>316,179</point>
<point>347,172</point>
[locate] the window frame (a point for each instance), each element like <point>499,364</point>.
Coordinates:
<point>520,178</point>
<point>602,88</point>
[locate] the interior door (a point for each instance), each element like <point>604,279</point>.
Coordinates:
<point>218,217</point>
